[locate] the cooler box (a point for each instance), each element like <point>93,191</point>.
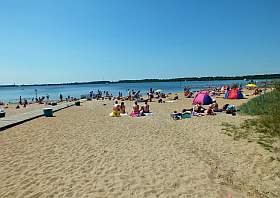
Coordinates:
<point>2,114</point>
<point>48,112</point>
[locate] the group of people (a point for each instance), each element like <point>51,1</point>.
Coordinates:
<point>199,110</point>
<point>22,102</point>
<point>137,111</point>
<point>100,95</point>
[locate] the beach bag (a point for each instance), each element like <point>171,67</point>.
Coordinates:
<point>231,109</point>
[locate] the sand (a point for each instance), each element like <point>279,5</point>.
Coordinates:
<point>82,152</point>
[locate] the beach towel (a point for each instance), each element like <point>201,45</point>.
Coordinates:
<point>134,114</point>
<point>186,115</point>
<point>149,114</point>
<point>115,114</point>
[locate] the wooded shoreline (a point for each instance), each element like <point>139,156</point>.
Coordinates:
<point>209,78</point>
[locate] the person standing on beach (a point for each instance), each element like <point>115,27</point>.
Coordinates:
<point>61,97</point>
<point>20,100</point>
<point>129,94</point>
<point>228,87</point>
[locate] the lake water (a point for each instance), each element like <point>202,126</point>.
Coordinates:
<point>11,94</point>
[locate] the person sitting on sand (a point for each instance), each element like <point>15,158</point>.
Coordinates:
<point>215,106</point>
<point>210,111</point>
<point>190,95</point>
<point>122,108</point>
<point>135,110</point>
<point>160,101</point>
<point>176,97</point>
<point>198,110</point>
<point>146,108</point>
<point>116,110</point>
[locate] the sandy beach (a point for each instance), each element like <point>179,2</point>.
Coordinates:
<point>82,152</point>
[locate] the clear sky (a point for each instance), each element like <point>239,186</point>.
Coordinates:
<point>57,41</point>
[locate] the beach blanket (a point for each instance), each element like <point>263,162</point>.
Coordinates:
<point>134,114</point>
<point>115,114</point>
<point>149,114</point>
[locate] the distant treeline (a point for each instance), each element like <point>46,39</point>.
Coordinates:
<point>247,77</point>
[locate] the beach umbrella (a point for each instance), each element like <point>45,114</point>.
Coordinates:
<point>159,90</point>
<point>251,85</point>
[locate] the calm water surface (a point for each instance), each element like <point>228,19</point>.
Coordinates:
<point>11,94</point>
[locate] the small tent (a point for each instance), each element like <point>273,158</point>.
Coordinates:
<point>202,98</point>
<point>234,94</point>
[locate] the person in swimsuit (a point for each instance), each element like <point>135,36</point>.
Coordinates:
<point>135,110</point>
<point>146,108</point>
<point>122,108</point>
<point>210,111</point>
<point>215,106</point>
<point>198,110</point>
<point>116,110</point>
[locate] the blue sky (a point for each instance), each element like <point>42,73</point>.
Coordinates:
<point>67,41</point>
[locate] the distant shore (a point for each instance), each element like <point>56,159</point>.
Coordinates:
<point>209,78</point>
